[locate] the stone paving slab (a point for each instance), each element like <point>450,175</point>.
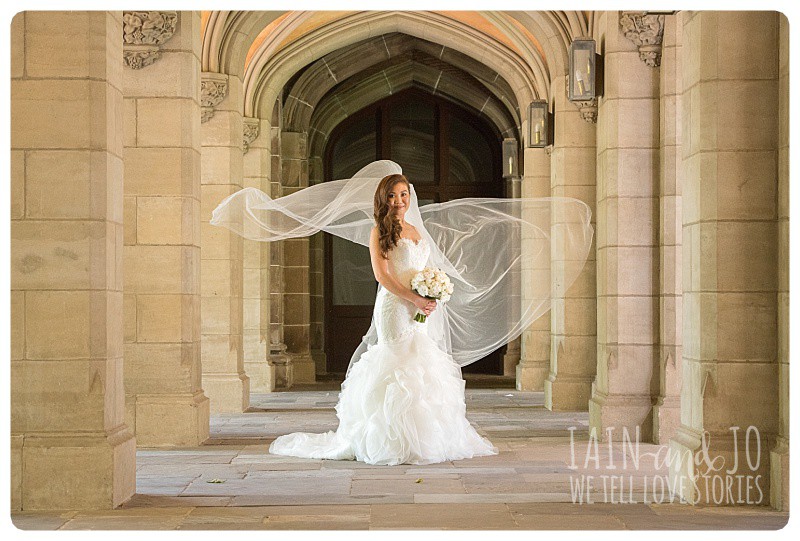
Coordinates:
<point>322,499</point>
<point>160,518</point>
<point>147,500</point>
<point>439,516</point>
<point>573,522</point>
<point>498,497</point>
<point>33,520</point>
<point>429,485</point>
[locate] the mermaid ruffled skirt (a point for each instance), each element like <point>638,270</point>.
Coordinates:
<point>402,403</point>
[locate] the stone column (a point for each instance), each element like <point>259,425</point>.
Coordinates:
<point>730,238</point>
<point>573,321</point>
<point>317,302</point>
<point>255,289</point>
<point>627,241</point>
<point>666,412</point>
<point>317,281</point>
<point>70,446</point>
<point>296,298</point>
<point>256,169</point>
<point>513,352</point>
<point>165,402</point>
<point>534,363</point>
<point>277,346</point>
<point>224,379</point>
<point>779,457</point>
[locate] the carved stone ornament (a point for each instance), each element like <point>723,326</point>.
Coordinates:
<point>251,128</point>
<point>143,32</point>
<point>647,32</point>
<point>213,89</point>
<point>588,110</point>
<point>548,150</point>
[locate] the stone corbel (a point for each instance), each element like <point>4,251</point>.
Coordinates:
<point>213,89</point>
<point>588,110</point>
<point>548,150</point>
<point>250,128</point>
<point>143,33</point>
<point>647,32</point>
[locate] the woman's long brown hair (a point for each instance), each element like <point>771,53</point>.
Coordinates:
<point>388,225</point>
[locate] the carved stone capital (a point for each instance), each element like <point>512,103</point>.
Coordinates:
<point>143,33</point>
<point>646,31</point>
<point>588,110</point>
<point>213,89</point>
<point>548,150</point>
<point>250,129</point>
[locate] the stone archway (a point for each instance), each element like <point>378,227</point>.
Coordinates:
<point>304,167</point>
<point>265,77</point>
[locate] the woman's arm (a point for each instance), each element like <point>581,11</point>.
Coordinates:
<point>380,267</point>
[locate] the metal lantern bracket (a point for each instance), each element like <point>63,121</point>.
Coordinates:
<point>599,84</point>
<point>511,162</point>
<point>549,134</point>
<point>586,102</point>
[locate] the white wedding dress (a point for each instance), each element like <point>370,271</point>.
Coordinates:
<point>403,400</point>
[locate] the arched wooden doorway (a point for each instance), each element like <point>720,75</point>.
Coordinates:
<point>447,151</point>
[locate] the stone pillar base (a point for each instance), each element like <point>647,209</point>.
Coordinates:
<point>16,471</point>
<point>72,471</point>
<point>698,484</point>
<point>228,393</point>
<point>262,376</point>
<point>779,475</point>
<point>666,418</point>
<point>168,420</point>
<point>621,411</point>
<point>531,375</point>
<point>284,375</point>
<point>567,393</point>
<point>303,368</point>
<point>682,448</point>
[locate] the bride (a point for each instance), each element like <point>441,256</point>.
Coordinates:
<point>402,401</point>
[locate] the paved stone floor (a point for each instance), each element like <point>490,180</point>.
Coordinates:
<point>233,483</point>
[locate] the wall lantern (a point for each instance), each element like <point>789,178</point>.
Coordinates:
<point>585,75</point>
<point>510,158</point>
<point>540,125</point>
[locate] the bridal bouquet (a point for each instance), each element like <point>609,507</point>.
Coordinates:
<point>431,283</point>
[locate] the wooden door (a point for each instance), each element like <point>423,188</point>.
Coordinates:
<point>448,153</point>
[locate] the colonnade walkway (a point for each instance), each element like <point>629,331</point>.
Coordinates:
<point>232,482</point>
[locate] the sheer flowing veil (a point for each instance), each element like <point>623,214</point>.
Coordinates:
<point>508,258</point>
